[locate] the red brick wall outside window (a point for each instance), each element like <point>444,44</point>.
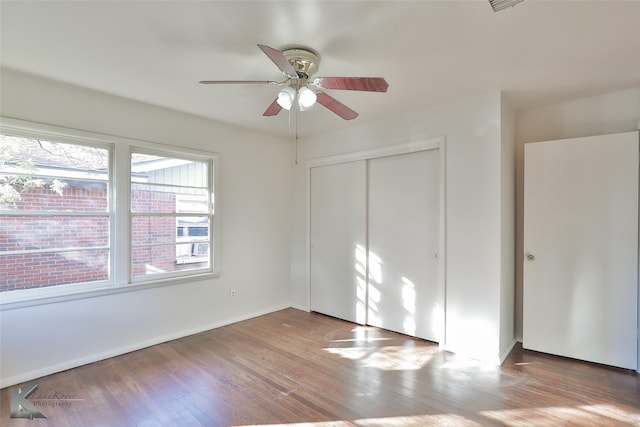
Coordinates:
<point>59,231</point>
<point>49,232</point>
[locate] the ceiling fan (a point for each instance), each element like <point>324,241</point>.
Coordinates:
<point>298,65</point>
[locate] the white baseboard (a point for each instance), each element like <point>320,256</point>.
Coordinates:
<point>52,369</point>
<point>301,308</point>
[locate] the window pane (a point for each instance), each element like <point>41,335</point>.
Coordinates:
<point>26,271</point>
<point>45,169</point>
<point>193,228</point>
<point>69,244</point>
<point>166,192</point>
<point>163,244</point>
<point>146,168</point>
<point>162,259</point>
<point>149,230</point>
<point>18,233</point>
<point>167,199</point>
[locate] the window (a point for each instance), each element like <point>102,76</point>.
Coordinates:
<point>55,222</point>
<point>170,214</point>
<point>63,230</point>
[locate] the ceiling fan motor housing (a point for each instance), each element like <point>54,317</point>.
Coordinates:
<point>303,61</point>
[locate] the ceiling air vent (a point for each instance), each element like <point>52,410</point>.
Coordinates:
<point>498,5</point>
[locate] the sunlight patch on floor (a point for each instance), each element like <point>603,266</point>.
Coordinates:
<point>614,412</point>
<point>417,420</point>
<point>356,340</point>
<point>581,415</point>
<point>464,363</point>
<point>390,358</point>
<point>318,424</point>
<point>404,421</point>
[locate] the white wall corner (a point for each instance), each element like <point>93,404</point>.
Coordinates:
<point>506,351</point>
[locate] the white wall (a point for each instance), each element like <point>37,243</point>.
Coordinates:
<point>474,206</point>
<point>255,197</point>
<point>597,115</point>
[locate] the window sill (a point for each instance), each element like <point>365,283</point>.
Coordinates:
<point>53,298</point>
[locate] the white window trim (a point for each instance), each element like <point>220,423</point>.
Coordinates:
<point>119,261</point>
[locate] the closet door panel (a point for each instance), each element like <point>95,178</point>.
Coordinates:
<point>403,293</point>
<point>338,240</point>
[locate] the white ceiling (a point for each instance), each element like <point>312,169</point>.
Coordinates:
<point>430,52</point>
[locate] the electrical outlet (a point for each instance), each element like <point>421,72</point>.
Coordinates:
<point>233,293</point>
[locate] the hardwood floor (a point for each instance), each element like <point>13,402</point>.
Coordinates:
<point>299,369</point>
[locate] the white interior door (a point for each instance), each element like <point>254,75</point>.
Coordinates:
<point>338,240</point>
<point>581,248</point>
<point>404,294</point>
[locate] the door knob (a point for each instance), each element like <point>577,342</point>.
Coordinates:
<point>531,257</point>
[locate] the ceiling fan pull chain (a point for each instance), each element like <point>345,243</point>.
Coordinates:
<point>296,120</point>
<point>293,116</point>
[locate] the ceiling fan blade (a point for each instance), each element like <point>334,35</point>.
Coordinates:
<point>273,109</point>
<point>240,82</point>
<point>368,84</point>
<point>336,106</point>
<point>280,60</point>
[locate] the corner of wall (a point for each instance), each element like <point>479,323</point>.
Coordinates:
<point>507,225</point>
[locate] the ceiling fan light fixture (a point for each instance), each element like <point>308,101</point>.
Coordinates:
<point>306,98</point>
<point>285,97</point>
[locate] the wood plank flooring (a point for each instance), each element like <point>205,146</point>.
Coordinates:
<point>303,369</point>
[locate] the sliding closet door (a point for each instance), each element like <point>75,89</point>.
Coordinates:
<point>581,248</point>
<point>338,240</point>
<point>404,293</point>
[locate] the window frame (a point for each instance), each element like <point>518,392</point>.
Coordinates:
<point>43,292</point>
<point>119,214</point>
<point>210,214</point>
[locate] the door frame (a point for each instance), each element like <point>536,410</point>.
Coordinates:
<point>635,133</point>
<point>437,143</point>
